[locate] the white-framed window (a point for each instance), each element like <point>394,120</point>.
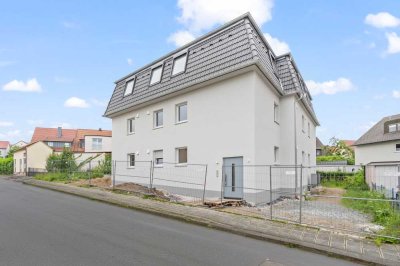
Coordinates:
<point>97,144</point>
<point>276,112</point>
<point>394,127</point>
<point>308,129</point>
<point>67,145</point>
<point>276,154</point>
<point>303,121</point>
<point>131,160</point>
<point>129,87</point>
<point>181,112</point>
<point>131,125</point>
<point>179,64</point>
<point>181,155</point>
<point>50,143</point>
<point>156,75</point>
<point>398,147</point>
<point>158,118</point>
<point>158,157</point>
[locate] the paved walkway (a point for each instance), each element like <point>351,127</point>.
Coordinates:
<point>324,241</point>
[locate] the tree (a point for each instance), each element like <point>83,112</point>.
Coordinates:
<point>64,162</point>
<point>339,148</point>
<point>12,150</point>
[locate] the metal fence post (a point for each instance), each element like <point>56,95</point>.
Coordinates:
<point>113,173</point>
<point>205,182</point>
<point>270,190</point>
<point>90,173</point>
<point>301,190</point>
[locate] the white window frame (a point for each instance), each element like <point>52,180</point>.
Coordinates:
<point>177,156</point>
<point>155,118</point>
<point>276,113</point>
<point>129,165</point>
<point>392,125</point>
<point>395,147</point>
<point>98,144</point>
<point>126,93</point>
<point>177,108</point>
<point>184,55</point>
<point>155,157</point>
<point>131,121</point>
<point>161,67</point>
<point>276,154</point>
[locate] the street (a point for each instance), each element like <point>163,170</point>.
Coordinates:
<point>43,227</point>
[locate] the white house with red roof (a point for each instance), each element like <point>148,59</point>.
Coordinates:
<point>4,148</point>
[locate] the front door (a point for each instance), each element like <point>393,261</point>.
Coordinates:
<point>232,170</point>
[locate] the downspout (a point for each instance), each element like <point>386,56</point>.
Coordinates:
<point>295,138</point>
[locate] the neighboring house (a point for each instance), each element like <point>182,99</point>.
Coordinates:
<point>84,143</point>
<point>319,147</point>
<point>4,148</point>
<point>20,144</point>
<point>349,143</point>
<point>223,99</point>
<point>379,150</point>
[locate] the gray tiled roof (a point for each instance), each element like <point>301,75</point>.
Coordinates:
<point>235,45</point>
<point>379,132</point>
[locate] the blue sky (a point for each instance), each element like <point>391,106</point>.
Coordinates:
<point>59,59</point>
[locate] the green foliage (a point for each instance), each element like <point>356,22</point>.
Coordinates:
<point>6,166</point>
<point>12,150</point>
<point>104,167</point>
<point>63,162</point>
<point>382,212</point>
<point>333,158</point>
<point>344,180</point>
<point>340,149</point>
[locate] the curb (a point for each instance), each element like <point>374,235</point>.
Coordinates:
<point>320,249</point>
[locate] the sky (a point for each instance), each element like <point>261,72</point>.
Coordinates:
<point>59,59</point>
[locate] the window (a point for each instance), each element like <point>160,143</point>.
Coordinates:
<point>181,112</point>
<point>131,125</point>
<point>156,75</point>
<point>158,119</point>
<point>81,143</point>
<point>129,87</point>
<point>67,144</point>
<point>309,129</point>
<point>392,128</point>
<point>397,147</point>
<point>131,160</point>
<point>179,64</point>
<point>97,144</point>
<point>50,144</point>
<point>276,154</point>
<point>303,121</point>
<point>276,112</point>
<point>181,155</point>
<point>158,158</point>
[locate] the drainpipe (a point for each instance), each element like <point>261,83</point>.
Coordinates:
<point>295,138</point>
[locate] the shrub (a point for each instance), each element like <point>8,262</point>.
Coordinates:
<point>63,162</point>
<point>6,166</point>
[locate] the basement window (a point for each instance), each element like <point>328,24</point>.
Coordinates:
<point>398,147</point>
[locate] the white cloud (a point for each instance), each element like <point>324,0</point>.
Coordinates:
<point>6,124</point>
<point>181,38</point>
<point>10,134</point>
<point>75,102</point>
<point>394,43</point>
<point>62,124</point>
<point>31,85</point>
<point>129,61</point>
<point>396,94</point>
<point>382,20</point>
<point>279,47</point>
<point>200,15</point>
<point>330,87</point>
<point>37,122</point>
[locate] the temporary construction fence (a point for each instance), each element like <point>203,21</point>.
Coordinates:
<point>180,182</point>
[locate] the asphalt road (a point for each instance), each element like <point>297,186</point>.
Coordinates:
<point>42,227</point>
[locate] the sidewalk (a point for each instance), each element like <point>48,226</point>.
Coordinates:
<point>322,241</point>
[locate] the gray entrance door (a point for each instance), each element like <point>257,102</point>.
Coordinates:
<point>233,177</point>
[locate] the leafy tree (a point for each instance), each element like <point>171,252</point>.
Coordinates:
<point>338,147</point>
<point>64,162</point>
<point>12,150</point>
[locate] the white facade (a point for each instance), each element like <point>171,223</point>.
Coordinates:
<point>230,118</point>
<point>97,144</point>
<point>377,152</point>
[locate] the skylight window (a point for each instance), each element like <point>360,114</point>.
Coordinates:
<point>129,87</point>
<point>179,64</point>
<point>156,75</point>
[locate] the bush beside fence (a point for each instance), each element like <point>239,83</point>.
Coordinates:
<point>6,166</point>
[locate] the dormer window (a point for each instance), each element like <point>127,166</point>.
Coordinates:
<point>156,75</point>
<point>394,128</point>
<point>179,64</point>
<point>129,87</point>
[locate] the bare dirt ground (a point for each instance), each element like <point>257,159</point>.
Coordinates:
<point>104,182</point>
<point>325,191</point>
